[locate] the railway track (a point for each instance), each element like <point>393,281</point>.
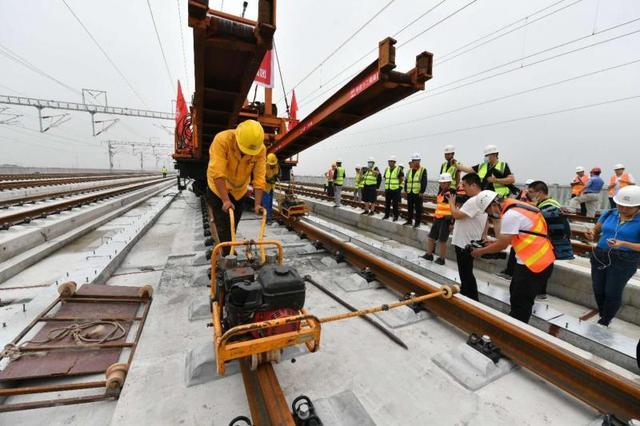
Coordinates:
<point>34,176</point>
<point>8,184</point>
<point>8,219</point>
<point>315,191</point>
<point>19,201</point>
<point>603,389</point>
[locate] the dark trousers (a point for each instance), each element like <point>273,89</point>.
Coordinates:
<point>525,286</point>
<point>414,205</point>
<point>468,284</point>
<point>392,201</point>
<point>221,219</point>
<point>511,262</point>
<point>610,272</point>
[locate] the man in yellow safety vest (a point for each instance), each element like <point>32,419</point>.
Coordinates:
<point>359,184</point>
<point>494,174</point>
<point>338,181</point>
<point>414,185</point>
<point>393,176</point>
<point>450,165</point>
<point>442,223</point>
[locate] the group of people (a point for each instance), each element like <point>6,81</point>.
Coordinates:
<point>528,220</point>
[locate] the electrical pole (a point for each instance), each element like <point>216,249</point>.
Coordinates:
<point>141,161</point>
<point>110,153</point>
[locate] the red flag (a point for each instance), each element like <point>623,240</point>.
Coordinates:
<point>293,112</point>
<point>264,76</point>
<point>183,122</point>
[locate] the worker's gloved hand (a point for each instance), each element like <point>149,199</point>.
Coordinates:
<point>226,205</point>
<point>258,209</point>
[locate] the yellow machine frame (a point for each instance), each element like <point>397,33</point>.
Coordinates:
<point>262,347</point>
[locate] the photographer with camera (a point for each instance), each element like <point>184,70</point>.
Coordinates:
<point>524,228</point>
<point>470,225</point>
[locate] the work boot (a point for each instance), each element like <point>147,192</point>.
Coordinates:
<point>602,321</point>
<point>408,223</point>
<point>427,256</point>
<point>440,261</point>
<point>386,216</point>
<point>371,213</point>
<point>395,218</point>
<point>416,225</point>
<point>365,212</point>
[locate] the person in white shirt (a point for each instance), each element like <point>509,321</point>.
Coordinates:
<point>470,224</point>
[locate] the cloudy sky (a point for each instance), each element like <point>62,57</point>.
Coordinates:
<point>555,85</point>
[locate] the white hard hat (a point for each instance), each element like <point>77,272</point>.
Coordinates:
<point>490,149</point>
<point>392,158</point>
<point>339,160</point>
<point>371,159</point>
<point>358,166</point>
<point>415,156</point>
<point>629,196</point>
<point>449,149</point>
<point>579,169</point>
<point>618,166</point>
<point>445,177</point>
<point>485,198</point>
<point>529,181</point>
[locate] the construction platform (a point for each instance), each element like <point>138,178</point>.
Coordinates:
<point>359,376</point>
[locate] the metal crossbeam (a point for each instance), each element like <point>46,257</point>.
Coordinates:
<point>81,107</point>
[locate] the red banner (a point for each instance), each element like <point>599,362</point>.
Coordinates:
<point>264,76</point>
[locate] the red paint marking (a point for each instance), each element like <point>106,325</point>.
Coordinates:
<point>589,315</point>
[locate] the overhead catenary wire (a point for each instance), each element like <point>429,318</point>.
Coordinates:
<point>431,93</point>
<point>440,21</point>
<point>526,24</point>
<point>425,13</point>
<point>164,57</point>
<point>499,98</point>
<point>184,53</point>
<point>286,102</point>
<point>504,27</point>
<point>494,123</point>
<point>5,51</point>
<point>106,55</point>
<point>341,45</point>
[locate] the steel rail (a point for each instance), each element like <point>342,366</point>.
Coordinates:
<point>593,384</point>
<point>427,214</point>
<point>17,184</point>
<point>33,176</point>
<point>26,215</point>
<point>51,195</point>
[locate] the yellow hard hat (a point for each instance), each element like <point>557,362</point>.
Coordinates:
<point>250,137</point>
<point>272,160</point>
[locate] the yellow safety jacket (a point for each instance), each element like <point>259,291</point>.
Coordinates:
<point>452,170</point>
<point>359,180</point>
<point>227,161</point>
<point>391,179</point>
<point>499,188</point>
<point>339,176</point>
<point>370,178</point>
<point>414,177</point>
<point>271,177</point>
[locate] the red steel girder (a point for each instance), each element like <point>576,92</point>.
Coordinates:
<point>375,88</point>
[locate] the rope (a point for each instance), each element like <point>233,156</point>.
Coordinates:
<point>84,333</point>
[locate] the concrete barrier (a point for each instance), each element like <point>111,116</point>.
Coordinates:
<point>568,282</point>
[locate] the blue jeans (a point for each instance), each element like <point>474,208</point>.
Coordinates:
<point>610,272</point>
<point>267,203</point>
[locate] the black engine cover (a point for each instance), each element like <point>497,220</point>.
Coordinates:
<point>282,287</point>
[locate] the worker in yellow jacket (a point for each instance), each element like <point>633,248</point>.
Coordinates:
<point>235,157</point>
<point>271,178</point>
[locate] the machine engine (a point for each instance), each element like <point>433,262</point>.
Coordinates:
<point>274,291</point>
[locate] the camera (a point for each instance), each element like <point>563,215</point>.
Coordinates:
<point>474,244</point>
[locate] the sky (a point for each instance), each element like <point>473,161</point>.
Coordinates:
<point>552,92</point>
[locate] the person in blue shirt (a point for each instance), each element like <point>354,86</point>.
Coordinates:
<point>591,194</point>
<point>616,257</point>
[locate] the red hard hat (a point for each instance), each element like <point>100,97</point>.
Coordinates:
<point>596,170</point>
